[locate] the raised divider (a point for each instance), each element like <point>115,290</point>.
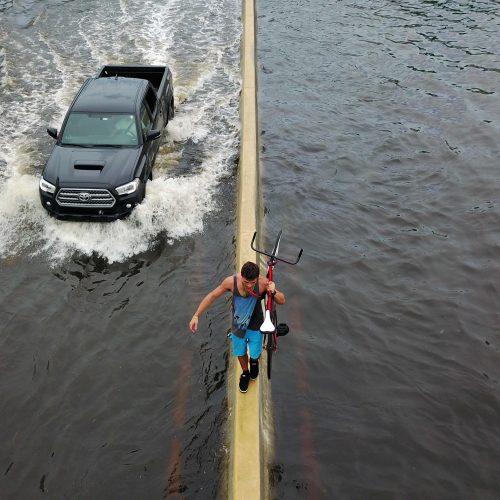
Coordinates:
<point>246,450</point>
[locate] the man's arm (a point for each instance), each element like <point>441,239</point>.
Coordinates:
<point>279,297</point>
<point>225,286</point>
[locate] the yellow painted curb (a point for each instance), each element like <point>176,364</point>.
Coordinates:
<point>246,469</point>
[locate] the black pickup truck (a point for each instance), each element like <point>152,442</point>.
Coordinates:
<point>108,142</point>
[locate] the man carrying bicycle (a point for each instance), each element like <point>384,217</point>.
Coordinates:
<point>248,288</point>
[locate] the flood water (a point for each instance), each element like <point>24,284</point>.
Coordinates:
<point>105,392</point>
<point>380,126</point>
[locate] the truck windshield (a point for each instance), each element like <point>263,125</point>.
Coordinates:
<point>100,129</point>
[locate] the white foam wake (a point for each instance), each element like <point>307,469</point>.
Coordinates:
<point>43,67</point>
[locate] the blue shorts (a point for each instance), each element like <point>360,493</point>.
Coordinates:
<point>254,340</point>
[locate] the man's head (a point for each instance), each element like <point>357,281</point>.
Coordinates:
<point>250,271</point>
<point>249,275</point>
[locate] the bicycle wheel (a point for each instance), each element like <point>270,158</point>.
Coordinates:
<point>270,350</point>
<point>271,344</point>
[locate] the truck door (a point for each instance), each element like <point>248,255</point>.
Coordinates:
<point>156,112</point>
<point>154,107</point>
<point>148,149</point>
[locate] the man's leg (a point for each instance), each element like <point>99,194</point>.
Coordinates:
<point>254,368</point>
<point>243,362</point>
<point>245,376</point>
<point>255,347</point>
<point>240,350</point>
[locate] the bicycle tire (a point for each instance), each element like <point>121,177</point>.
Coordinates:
<point>269,349</point>
<point>271,344</point>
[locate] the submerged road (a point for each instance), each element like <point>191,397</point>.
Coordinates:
<point>381,162</point>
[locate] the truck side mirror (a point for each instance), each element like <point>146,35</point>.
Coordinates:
<point>52,132</point>
<point>152,135</point>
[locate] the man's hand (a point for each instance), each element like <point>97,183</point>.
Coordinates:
<point>271,287</point>
<point>279,297</point>
<point>193,324</point>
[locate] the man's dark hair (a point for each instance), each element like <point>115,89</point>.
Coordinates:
<point>250,271</point>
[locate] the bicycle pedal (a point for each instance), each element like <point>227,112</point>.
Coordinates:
<point>282,329</point>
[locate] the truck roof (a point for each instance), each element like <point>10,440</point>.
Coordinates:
<point>110,95</point>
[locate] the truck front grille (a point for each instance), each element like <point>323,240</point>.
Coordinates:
<point>91,198</point>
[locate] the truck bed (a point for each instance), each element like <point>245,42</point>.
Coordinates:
<point>154,74</point>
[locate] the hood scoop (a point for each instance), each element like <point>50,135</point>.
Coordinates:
<point>89,165</point>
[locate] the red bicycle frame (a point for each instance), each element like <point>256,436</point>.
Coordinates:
<point>269,327</point>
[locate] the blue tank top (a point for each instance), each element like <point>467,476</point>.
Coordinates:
<point>243,308</point>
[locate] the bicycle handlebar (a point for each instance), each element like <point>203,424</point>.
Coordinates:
<point>272,256</point>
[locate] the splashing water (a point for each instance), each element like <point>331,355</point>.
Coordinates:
<point>42,65</point>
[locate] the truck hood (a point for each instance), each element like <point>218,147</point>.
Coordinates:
<point>91,167</point>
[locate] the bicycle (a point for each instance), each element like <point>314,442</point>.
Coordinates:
<point>270,328</point>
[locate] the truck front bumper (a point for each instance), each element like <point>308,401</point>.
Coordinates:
<point>122,207</point>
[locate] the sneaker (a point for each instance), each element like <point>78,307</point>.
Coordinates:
<point>254,368</point>
<point>244,381</point>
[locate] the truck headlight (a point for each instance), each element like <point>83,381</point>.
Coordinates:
<point>128,188</point>
<point>47,186</point>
